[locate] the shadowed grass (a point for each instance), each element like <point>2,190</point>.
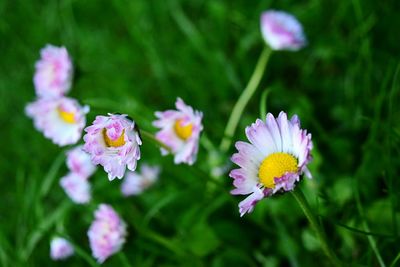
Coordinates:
<point>136,57</point>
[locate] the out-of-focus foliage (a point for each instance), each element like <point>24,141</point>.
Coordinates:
<point>136,57</point>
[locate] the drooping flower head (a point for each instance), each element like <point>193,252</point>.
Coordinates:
<point>60,248</point>
<point>60,119</point>
<point>135,183</point>
<point>53,74</point>
<point>106,233</point>
<point>282,31</point>
<point>273,161</point>
<point>180,131</point>
<point>76,187</point>
<point>113,142</point>
<point>78,161</point>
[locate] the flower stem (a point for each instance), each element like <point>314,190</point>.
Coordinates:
<point>151,138</point>
<point>302,201</point>
<point>244,99</point>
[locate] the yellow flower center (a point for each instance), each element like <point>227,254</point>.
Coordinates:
<point>68,117</point>
<point>120,141</point>
<point>275,166</point>
<point>183,131</point>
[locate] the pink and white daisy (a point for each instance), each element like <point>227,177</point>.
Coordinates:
<point>79,162</point>
<point>76,187</point>
<point>113,142</point>
<point>282,31</point>
<point>53,75</point>
<point>273,161</point>
<point>60,248</point>
<point>135,183</point>
<point>60,119</point>
<point>180,131</point>
<point>107,233</point>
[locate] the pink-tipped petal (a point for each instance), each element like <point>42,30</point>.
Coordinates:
<point>185,147</point>
<point>53,74</point>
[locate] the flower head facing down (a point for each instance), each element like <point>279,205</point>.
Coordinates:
<point>78,161</point>
<point>60,119</point>
<point>282,31</point>
<point>60,248</point>
<point>107,233</point>
<point>76,187</point>
<point>180,131</point>
<point>53,75</point>
<point>273,161</point>
<point>113,142</point>
<point>135,183</point>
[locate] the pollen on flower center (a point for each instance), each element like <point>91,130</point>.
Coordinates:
<point>120,141</point>
<point>68,117</point>
<point>183,131</point>
<point>275,166</point>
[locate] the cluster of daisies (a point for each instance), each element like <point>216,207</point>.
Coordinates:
<point>112,141</point>
<point>273,161</point>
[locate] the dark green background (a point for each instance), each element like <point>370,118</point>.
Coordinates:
<point>136,57</point>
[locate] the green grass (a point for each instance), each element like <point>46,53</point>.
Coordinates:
<point>136,57</point>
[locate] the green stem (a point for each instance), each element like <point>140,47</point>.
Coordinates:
<point>395,260</point>
<point>365,225</point>
<point>244,99</point>
<point>302,201</point>
<point>124,260</point>
<point>151,138</point>
<point>263,104</point>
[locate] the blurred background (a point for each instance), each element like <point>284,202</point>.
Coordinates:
<point>136,57</point>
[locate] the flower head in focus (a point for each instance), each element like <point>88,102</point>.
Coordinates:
<point>135,183</point>
<point>273,161</point>
<point>78,161</point>
<point>113,141</point>
<point>282,31</point>
<point>107,233</point>
<point>53,75</point>
<point>76,187</point>
<point>60,119</point>
<point>60,248</point>
<point>180,131</point>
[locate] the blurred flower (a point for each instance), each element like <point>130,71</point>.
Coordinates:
<point>135,183</point>
<point>76,187</point>
<point>60,248</point>
<point>180,131</point>
<point>53,74</point>
<point>282,31</point>
<point>61,119</point>
<point>78,161</point>
<point>278,153</point>
<point>107,233</point>
<point>113,142</point>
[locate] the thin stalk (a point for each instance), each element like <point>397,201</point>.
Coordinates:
<point>151,138</point>
<point>395,260</point>
<point>263,104</point>
<point>302,201</point>
<point>244,99</point>
<point>365,225</point>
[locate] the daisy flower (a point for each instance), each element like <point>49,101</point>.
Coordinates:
<point>273,161</point>
<point>180,131</point>
<point>60,248</point>
<point>282,31</point>
<point>76,187</point>
<point>135,183</point>
<point>107,233</point>
<point>79,162</point>
<point>60,119</point>
<point>53,73</point>
<point>113,141</point>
